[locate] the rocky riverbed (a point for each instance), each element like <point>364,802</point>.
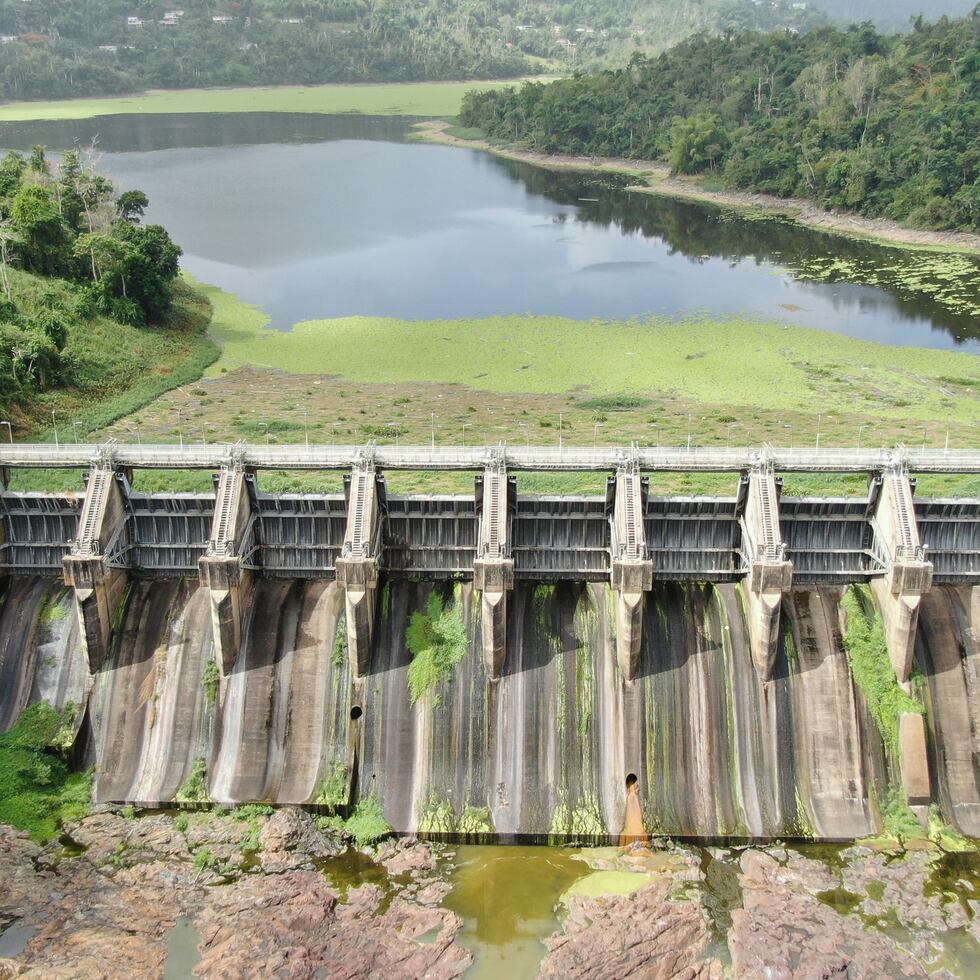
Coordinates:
<point>280,895</point>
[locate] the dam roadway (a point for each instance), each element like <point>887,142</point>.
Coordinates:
<point>532,458</point>
<point>697,612</point>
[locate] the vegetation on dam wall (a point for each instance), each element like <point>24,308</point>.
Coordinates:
<point>864,640</point>
<point>37,786</point>
<point>437,641</point>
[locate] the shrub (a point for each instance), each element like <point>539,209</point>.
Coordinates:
<point>367,823</point>
<point>195,788</point>
<point>211,680</point>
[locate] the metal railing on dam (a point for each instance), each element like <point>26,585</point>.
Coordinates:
<point>212,456</point>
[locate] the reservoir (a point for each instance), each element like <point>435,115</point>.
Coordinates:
<point>313,217</point>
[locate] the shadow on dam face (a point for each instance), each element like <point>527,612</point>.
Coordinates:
<point>559,748</point>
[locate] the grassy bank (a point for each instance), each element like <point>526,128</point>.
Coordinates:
<point>118,368</point>
<point>537,380</point>
<point>407,99</point>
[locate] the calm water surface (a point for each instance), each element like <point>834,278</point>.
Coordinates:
<point>320,216</point>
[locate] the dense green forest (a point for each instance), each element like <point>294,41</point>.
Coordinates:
<point>76,264</point>
<point>50,48</point>
<point>887,126</point>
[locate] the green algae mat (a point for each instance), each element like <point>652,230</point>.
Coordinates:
<point>754,364</point>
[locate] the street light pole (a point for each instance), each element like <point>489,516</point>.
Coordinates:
<point>54,423</point>
<point>306,427</point>
<point>10,431</point>
<point>432,421</point>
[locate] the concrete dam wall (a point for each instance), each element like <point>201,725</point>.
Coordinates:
<point>256,645</point>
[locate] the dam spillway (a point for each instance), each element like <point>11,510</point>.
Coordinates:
<point>692,642</point>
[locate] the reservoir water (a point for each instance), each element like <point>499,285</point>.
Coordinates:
<point>315,217</point>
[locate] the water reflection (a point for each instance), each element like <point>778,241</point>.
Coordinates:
<point>507,897</point>
<point>322,216</point>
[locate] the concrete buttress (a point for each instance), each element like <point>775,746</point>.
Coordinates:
<point>908,576</point>
<point>220,569</point>
<point>493,569</point>
<point>99,583</point>
<point>769,574</point>
<point>631,569</point>
<point>357,566</point>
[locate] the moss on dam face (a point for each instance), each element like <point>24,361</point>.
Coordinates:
<point>542,753</point>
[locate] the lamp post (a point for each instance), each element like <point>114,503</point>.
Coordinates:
<point>75,426</point>
<point>861,429</point>
<point>656,425</point>
<point>819,420</point>
<point>54,423</point>
<point>595,434</point>
<point>527,434</point>
<point>265,428</point>
<point>465,425</point>
<point>688,431</point>
<point>10,430</point>
<point>560,425</point>
<point>728,444</point>
<point>306,427</point>
<point>432,422</point>
<point>180,431</point>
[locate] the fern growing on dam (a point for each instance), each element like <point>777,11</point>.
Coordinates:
<point>437,642</point>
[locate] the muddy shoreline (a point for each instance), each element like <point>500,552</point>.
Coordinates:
<point>654,177</point>
<point>254,894</point>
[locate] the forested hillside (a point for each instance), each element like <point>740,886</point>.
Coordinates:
<point>887,126</point>
<point>50,48</point>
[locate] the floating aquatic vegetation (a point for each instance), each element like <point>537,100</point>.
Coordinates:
<point>949,280</point>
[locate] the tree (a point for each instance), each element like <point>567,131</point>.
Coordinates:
<point>43,245</point>
<point>37,162</point>
<point>697,143</point>
<point>131,206</point>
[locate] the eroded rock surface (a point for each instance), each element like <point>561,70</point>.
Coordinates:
<point>646,934</point>
<point>290,925</point>
<point>92,918</point>
<point>107,912</point>
<point>784,931</point>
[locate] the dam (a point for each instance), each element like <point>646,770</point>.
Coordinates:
<point>691,645</point>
